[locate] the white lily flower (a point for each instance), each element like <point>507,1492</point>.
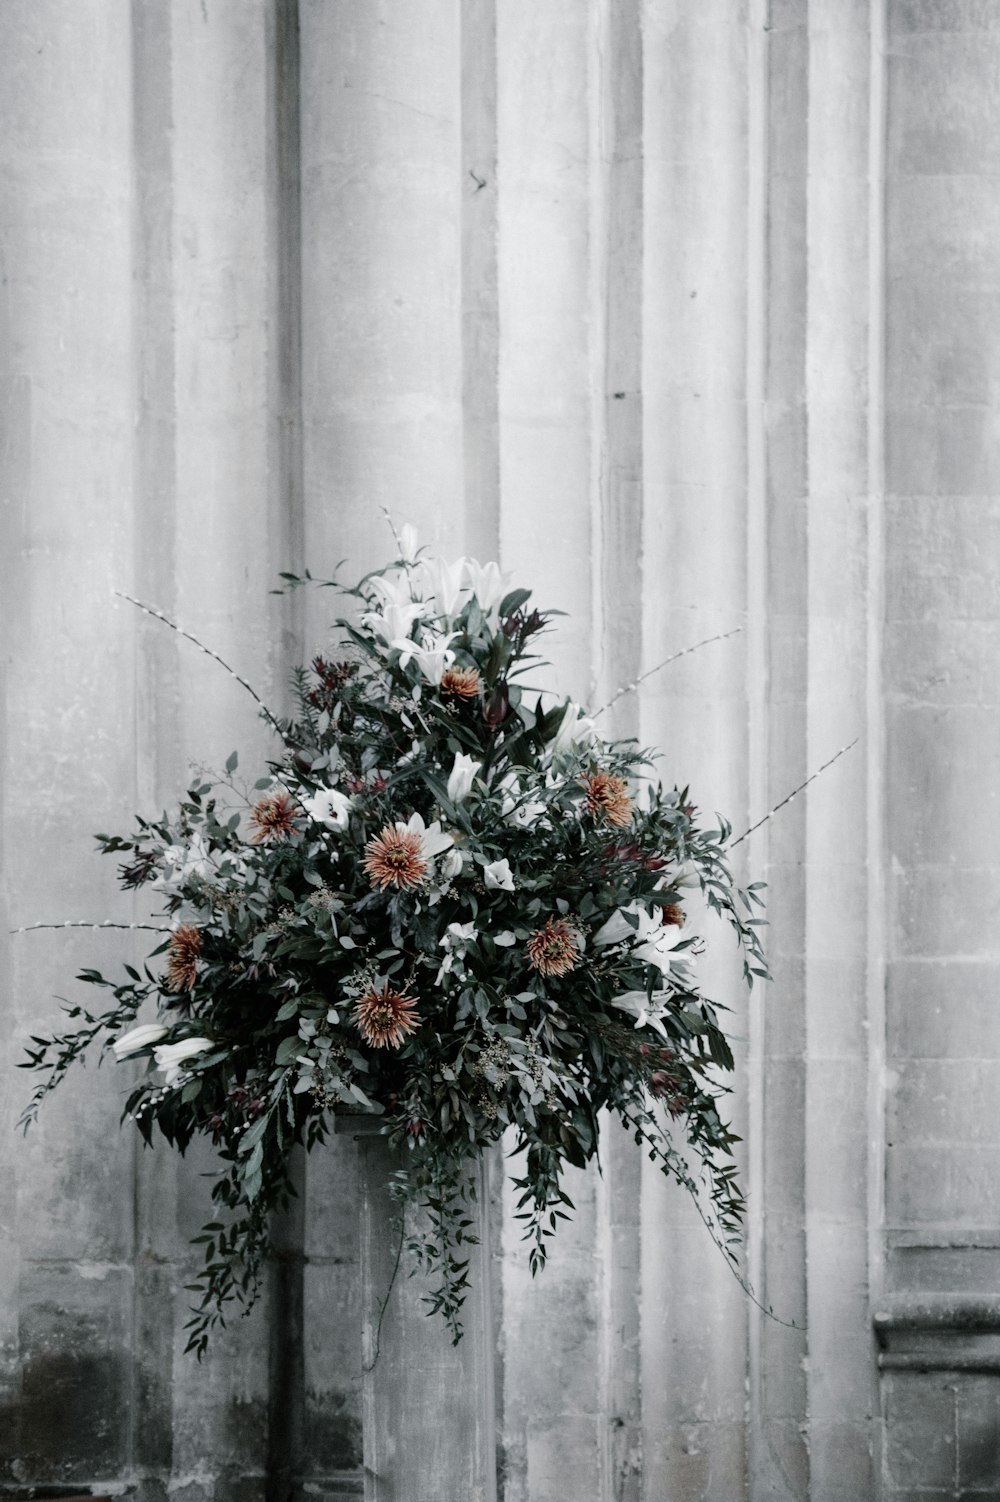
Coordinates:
<point>486,582</point>
<point>686,875</point>
<point>498,877</point>
<point>524,814</point>
<point>516,807</point>
<point>394,621</point>
<point>647,1011</point>
<point>171,1057</point>
<point>457,935</point>
<point>329,807</point>
<point>452,865</point>
<point>504,939</point>
<point>617,928</point>
<point>408,546</point>
<point>433,840</point>
<point>179,862</point>
<point>575,729</point>
<point>138,1038</point>
<point>432,655</point>
<point>446,592</point>
<point>392,588</point>
<point>655,940</point>
<point>461,776</point>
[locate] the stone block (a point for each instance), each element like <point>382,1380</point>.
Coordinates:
<point>943,108</point>
<point>978,1435</point>
<point>935,913</point>
<point>333,1184</point>
<point>561,1460</point>
<point>943,559</point>
<point>836,989</point>
<point>906,16</point>
<point>929,1259</point>
<point>936,226</point>
<point>837,1149</point>
<point>920,1417</point>
<point>779,1462</point>
<point>939,1184</point>
<point>331,1422</point>
<point>72,1413</point>
<point>944,1100</point>
<point>942,802</point>
<point>841,1362</point>
<point>697,1462</point>
<point>70,1169</point>
<point>939,355</point>
<point>784,1117</point>
<point>942,663</point>
<point>942,1008</point>
<point>221,1408</point>
<point>942,452</point>
<point>841,1462</point>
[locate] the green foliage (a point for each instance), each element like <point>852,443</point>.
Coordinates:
<point>449,904</point>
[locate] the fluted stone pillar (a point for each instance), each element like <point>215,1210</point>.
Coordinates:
<point>941,1376</point>
<point>65,356</point>
<point>390,331</point>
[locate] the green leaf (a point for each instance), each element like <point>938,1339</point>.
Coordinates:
<point>513,601</point>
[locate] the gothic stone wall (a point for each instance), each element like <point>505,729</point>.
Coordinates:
<point>686,310</point>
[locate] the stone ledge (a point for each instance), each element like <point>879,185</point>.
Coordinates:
<point>926,1332</point>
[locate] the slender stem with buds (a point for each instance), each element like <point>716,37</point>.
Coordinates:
<point>159,616</point>
<point>156,928</point>
<point>795,791</point>
<point>630,688</point>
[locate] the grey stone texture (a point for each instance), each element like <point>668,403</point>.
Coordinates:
<point>686,310</point>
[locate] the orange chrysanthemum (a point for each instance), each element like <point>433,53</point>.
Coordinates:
<point>607,797</point>
<point>385,1016</point>
<point>274,817</point>
<point>673,914</point>
<point>462,683</point>
<point>394,858</point>
<point>553,950</point>
<point>182,964</point>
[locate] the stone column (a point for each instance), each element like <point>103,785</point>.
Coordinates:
<point>68,731</point>
<point>429,1412</point>
<point>387,248</point>
<point>694,571</point>
<point>551,246</point>
<point>216,507</point>
<point>942,626</point>
<point>844,973</point>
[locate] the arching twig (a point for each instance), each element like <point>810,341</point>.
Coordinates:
<point>630,688</point>
<point>795,792</point>
<point>159,616</point>
<point>155,928</point>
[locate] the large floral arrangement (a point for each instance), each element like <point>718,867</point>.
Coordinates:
<point>450,903</point>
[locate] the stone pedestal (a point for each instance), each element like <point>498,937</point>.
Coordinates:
<point>428,1405</point>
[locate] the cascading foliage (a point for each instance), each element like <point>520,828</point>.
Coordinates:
<point>449,903</point>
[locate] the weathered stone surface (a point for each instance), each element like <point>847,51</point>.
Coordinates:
<point>602,287</point>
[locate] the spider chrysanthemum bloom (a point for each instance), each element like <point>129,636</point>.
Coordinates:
<point>384,1016</point>
<point>460,683</point>
<point>552,950</point>
<point>273,816</point>
<point>182,963</point>
<point>607,797</point>
<point>394,858</point>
